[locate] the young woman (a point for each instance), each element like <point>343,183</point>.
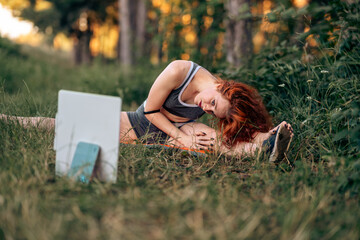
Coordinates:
<point>180,95</point>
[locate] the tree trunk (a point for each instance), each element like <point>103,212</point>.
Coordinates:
<point>77,51</point>
<point>82,36</point>
<point>140,28</point>
<point>81,48</point>
<point>298,29</point>
<point>85,47</point>
<point>229,36</point>
<point>125,33</point>
<point>238,32</point>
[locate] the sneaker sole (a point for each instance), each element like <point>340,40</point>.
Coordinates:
<point>282,144</point>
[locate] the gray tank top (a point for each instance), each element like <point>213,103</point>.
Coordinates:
<point>173,103</point>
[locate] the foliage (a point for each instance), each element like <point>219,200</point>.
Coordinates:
<point>9,48</point>
<point>205,21</point>
<point>323,79</point>
<point>332,23</point>
<point>63,16</point>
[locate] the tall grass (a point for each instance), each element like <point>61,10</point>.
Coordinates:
<point>171,195</point>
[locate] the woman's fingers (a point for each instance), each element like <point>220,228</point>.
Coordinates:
<point>202,138</point>
<point>206,147</point>
<point>205,144</point>
<point>205,140</point>
<point>200,133</point>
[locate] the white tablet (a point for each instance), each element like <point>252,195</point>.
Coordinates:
<point>91,118</point>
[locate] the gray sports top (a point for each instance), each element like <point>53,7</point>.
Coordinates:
<point>173,103</point>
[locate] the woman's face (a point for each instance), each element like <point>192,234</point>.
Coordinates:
<point>213,102</point>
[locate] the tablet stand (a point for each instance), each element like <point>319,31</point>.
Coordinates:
<point>83,162</point>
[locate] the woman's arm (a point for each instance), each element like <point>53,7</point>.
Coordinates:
<point>172,76</point>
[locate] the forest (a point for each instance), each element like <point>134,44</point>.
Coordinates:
<point>302,55</point>
<point>161,30</point>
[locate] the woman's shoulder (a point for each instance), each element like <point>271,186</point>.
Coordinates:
<point>180,65</point>
<point>177,70</point>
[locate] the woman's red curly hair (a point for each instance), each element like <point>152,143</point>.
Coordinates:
<point>246,115</point>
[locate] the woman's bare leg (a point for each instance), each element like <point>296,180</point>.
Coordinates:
<point>39,122</point>
<point>127,134</point>
<point>202,131</point>
<point>205,136</point>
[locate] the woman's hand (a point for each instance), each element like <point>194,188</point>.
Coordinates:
<point>198,140</point>
<point>204,141</point>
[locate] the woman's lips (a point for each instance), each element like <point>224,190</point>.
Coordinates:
<point>200,104</point>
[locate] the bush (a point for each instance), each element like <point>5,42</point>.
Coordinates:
<point>316,88</point>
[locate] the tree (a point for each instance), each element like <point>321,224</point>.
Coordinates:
<point>140,29</point>
<point>238,32</point>
<point>82,35</point>
<point>74,18</point>
<point>132,22</point>
<point>124,32</point>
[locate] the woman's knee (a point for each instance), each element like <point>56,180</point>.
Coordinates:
<point>127,134</point>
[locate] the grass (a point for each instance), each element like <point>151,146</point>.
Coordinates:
<point>170,195</point>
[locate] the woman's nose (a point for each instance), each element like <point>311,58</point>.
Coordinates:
<point>207,107</point>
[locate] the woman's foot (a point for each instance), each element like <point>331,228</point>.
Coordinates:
<point>278,143</point>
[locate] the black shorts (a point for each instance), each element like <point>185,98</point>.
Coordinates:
<point>145,130</point>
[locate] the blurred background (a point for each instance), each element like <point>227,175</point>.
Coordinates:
<point>210,32</point>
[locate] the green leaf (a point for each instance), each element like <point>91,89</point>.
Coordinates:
<point>341,135</point>
<point>271,17</point>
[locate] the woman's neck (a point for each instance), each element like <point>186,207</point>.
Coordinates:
<point>204,81</point>
<point>201,81</point>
